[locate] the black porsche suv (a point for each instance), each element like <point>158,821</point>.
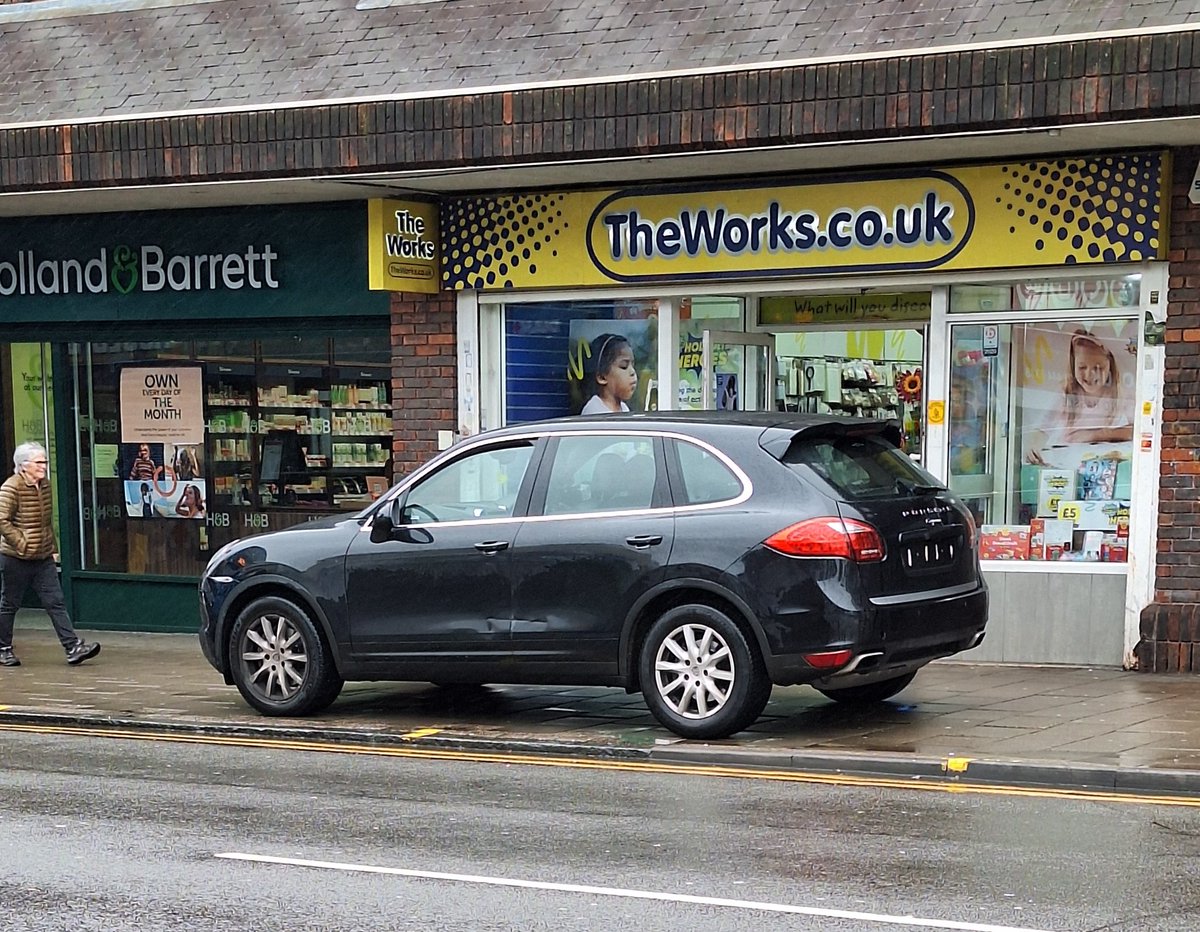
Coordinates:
<point>699,557</point>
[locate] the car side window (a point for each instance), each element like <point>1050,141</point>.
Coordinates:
<point>477,486</point>
<point>705,478</point>
<point>611,473</point>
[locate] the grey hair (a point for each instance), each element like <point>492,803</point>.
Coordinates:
<point>25,452</point>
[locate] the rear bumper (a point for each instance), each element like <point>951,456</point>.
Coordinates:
<point>894,639</point>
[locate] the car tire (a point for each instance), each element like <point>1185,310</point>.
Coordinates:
<point>280,663</point>
<point>694,645</point>
<point>869,692</point>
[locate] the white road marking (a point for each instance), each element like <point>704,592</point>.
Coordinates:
<point>879,918</point>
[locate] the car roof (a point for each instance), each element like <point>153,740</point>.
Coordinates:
<point>687,421</point>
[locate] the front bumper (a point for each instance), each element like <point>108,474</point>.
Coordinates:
<point>213,591</point>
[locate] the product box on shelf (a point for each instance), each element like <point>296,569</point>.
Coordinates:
<point>1114,549</point>
<point>1037,539</point>
<point>1004,542</point>
<point>1050,538</point>
<point>1053,486</point>
<point>1097,479</point>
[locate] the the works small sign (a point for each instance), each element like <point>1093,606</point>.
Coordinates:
<point>125,269</point>
<point>404,248</point>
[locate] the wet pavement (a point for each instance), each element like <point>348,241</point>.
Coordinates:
<point>1058,726</point>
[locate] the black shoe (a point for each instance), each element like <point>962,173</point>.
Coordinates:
<point>8,658</point>
<point>82,651</point>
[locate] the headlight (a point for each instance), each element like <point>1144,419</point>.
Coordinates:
<point>220,556</point>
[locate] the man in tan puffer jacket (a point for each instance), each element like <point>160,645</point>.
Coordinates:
<point>27,552</point>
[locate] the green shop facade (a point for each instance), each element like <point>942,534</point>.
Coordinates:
<point>200,375</point>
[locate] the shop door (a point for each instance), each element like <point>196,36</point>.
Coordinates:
<point>738,371</point>
<point>28,409</point>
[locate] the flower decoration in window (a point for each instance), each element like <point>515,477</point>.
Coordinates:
<point>909,385</point>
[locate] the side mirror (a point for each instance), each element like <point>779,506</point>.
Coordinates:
<point>386,521</point>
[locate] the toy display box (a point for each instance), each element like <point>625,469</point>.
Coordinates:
<point>1049,538</point>
<point>1053,487</point>
<point>1004,542</point>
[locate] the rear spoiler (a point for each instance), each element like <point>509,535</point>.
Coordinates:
<point>778,440</point>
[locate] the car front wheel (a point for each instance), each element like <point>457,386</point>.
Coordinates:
<point>700,676</point>
<point>280,663</point>
<point>869,692</point>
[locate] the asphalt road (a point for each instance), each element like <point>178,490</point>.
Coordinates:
<point>118,835</point>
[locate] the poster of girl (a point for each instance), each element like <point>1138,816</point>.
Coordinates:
<point>607,369</point>
<point>1092,407</point>
<point>611,378</point>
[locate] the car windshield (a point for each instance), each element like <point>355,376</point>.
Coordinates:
<point>860,467</point>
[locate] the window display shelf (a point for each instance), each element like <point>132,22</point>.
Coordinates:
<point>302,426</point>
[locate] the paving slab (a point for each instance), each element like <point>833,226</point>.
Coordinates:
<point>1078,727</point>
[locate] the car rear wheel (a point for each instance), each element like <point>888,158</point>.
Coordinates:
<point>869,692</point>
<point>279,662</point>
<point>700,676</point>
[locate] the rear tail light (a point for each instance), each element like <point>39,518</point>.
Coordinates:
<point>829,537</point>
<point>972,528</point>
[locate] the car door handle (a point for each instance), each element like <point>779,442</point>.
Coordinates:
<point>642,541</point>
<point>491,546</point>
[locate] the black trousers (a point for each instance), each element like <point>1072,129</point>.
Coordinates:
<point>16,576</point>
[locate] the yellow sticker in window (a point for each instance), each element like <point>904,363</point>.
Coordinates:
<point>937,412</point>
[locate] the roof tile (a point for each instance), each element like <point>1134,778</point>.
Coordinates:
<point>217,54</point>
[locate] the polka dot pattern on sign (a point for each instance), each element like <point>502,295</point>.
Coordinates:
<point>1086,209</point>
<point>487,239</point>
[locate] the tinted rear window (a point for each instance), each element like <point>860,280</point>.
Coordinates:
<point>859,467</point>
<point>705,478</point>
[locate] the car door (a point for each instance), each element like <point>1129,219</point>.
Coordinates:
<point>599,535</point>
<point>439,586</point>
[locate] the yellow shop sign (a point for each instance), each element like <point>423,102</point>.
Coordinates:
<point>1061,212</point>
<point>402,238</point>
<point>923,222</point>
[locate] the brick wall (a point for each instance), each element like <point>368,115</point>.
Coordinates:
<point>1170,626</point>
<point>424,376</point>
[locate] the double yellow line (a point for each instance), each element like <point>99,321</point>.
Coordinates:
<point>413,752</point>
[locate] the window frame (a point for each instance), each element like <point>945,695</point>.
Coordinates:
<point>400,502</point>
<point>679,482</point>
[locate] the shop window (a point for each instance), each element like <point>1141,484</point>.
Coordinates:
<point>1040,435</point>
<point>858,373</point>
<point>1058,294</point>
<point>242,436</point>
<point>563,357</point>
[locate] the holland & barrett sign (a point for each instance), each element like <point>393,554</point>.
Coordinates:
<point>126,269</point>
<point>248,262</point>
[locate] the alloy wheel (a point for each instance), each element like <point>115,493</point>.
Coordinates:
<point>694,671</point>
<point>274,656</point>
